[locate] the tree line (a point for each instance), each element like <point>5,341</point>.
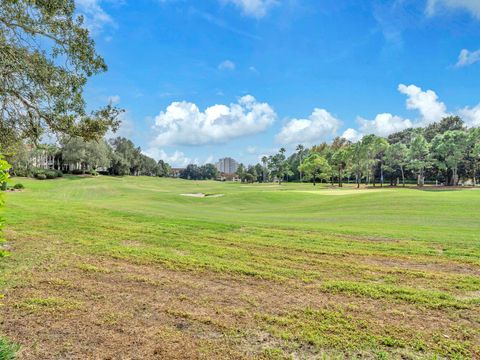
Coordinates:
<point>444,153</point>
<point>118,156</point>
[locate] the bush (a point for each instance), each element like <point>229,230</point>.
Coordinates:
<point>51,174</point>
<point>93,172</point>
<point>3,186</point>
<point>18,186</point>
<point>77,172</point>
<point>40,176</point>
<point>59,173</point>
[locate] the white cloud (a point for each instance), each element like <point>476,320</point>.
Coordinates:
<point>472,6</point>
<point>471,116</point>
<point>226,65</point>
<point>177,159</point>
<point>254,8</point>
<point>95,16</point>
<point>251,150</point>
<point>319,126</point>
<point>352,135</point>
<point>384,124</point>
<point>182,123</point>
<point>426,102</point>
<point>467,58</point>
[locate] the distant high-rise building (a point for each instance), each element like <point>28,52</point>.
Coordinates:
<point>227,165</point>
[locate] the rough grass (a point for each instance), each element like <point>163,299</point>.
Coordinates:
<point>265,271</point>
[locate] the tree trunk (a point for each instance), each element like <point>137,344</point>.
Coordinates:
<point>340,178</point>
<point>403,176</point>
<point>474,173</point>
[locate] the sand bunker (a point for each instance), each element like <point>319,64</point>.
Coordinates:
<point>202,195</point>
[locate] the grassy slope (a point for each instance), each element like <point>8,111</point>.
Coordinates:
<point>413,250</point>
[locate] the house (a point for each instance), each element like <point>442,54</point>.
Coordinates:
<point>176,172</point>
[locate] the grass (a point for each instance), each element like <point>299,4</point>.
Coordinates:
<point>7,349</point>
<point>268,271</point>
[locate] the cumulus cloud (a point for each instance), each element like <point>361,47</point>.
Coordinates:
<point>467,58</point>
<point>471,116</point>
<point>182,123</point>
<point>384,124</point>
<point>226,65</point>
<point>472,6</point>
<point>176,159</point>
<point>95,16</point>
<point>426,102</point>
<point>253,8</point>
<point>352,135</point>
<point>319,126</point>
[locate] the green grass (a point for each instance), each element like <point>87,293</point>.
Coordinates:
<point>401,247</point>
<point>7,349</point>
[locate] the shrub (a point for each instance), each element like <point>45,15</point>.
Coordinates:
<point>51,174</point>
<point>77,172</point>
<point>40,176</point>
<point>18,186</point>
<point>59,173</point>
<point>93,172</point>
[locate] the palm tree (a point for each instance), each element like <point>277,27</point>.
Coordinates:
<point>264,162</point>
<point>300,149</point>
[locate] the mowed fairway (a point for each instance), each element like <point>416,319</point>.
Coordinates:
<point>127,268</point>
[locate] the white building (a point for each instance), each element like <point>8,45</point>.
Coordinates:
<point>227,165</point>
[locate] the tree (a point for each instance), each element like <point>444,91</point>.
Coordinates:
<point>191,172</point>
<point>357,157</point>
<point>316,166</point>
<point>396,157</point>
<point>278,165</point>
<point>340,157</point>
<point>126,158</point>
<point>265,169</point>
<point>18,155</point>
<point>449,149</point>
<point>240,172</point>
<point>209,171</point>
<point>4,167</point>
<point>448,123</point>
<point>251,174</point>
<point>164,168</point>
<point>373,146</point>
<point>90,154</point>
<point>474,151</point>
<point>300,152</point>
<point>419,157</point>
<point>46,59</point>
<point>259,172</point>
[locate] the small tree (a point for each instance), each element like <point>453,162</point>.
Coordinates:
<point>316,166</point>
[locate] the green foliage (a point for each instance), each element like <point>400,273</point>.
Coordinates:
<point>47,58</point>
<point>316,167</point>
<point>19,186</point>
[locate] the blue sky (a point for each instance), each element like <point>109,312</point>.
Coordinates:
<point>206,79</point>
